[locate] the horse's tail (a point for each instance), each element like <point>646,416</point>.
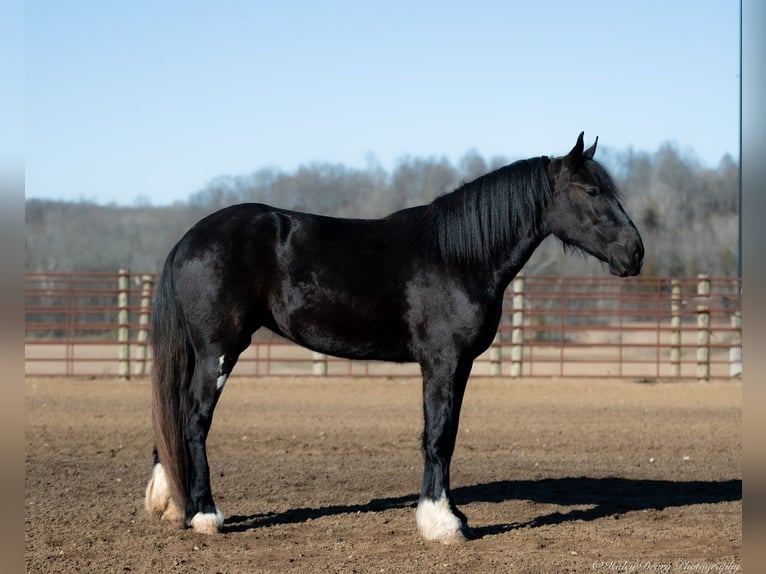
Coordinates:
<point>173,366</point>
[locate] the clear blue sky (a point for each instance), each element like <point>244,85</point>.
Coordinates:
<point>155,99</point>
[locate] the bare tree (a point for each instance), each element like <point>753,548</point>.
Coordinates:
<point>686,213</point>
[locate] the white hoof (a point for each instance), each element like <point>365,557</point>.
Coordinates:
<point>207,522</point>
<point>158,501</point>
<point>437,523</point>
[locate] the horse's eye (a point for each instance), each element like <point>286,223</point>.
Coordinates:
<point>589,189</point>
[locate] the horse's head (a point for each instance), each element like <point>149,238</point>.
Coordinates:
<point>585,212</point>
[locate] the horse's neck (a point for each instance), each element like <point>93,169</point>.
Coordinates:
<point>508,264</point>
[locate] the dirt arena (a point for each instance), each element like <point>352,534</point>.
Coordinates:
<point>322,475</point>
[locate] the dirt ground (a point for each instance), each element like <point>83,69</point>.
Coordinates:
<point>322,475</point>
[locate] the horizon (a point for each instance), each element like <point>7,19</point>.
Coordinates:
<point>140,202</point>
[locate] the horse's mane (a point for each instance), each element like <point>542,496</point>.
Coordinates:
<point>486,215</point>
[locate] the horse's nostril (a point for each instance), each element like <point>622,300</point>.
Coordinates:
<point>638,255</point>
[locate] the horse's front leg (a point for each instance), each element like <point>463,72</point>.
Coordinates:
<point>437,516</point>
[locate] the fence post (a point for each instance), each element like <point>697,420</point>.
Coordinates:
<point>517,332</point>
<point>70,319</point>
<point>675,328</point>
<point>143,324</point>
<point>320,363</point>
<point>495,356</point>
<point>703,327</point>
<point>735,351</point>
<point>123,324</point>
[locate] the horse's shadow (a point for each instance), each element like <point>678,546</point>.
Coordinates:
<point>604,497</point>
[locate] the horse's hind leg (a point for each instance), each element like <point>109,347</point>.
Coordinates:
<point>158,500</point>
<point>212,368</point>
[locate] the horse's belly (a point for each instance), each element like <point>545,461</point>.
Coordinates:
<point>356,347</point>
<point>346,331</point>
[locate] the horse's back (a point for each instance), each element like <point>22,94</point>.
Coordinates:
<point>331,284</point>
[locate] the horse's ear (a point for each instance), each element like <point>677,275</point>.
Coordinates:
<point>574,157</point>
<point>591,151</point>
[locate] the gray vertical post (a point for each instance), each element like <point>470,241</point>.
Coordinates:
<point>320,363</point>
<point>675,328</point>
<point>517,332</point>
<point>123,324</point>
<point>735,351</point>
<point>495,356</point>
<point>703,327</point>
<point>142,338</point>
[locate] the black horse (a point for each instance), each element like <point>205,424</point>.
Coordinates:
<point>424,284</point>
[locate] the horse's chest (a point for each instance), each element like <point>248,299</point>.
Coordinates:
<point>443,313</point>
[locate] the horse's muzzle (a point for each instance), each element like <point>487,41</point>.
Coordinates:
<point>630,261</point>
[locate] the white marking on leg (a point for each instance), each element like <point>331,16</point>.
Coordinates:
<point>158,501</point>
<point>436,521</point>
<point>221,380</point>
<point>207,522</point>
<point>157,491</point>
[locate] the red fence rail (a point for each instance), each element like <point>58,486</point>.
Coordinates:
<point>94,324</point>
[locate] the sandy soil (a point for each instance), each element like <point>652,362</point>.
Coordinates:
<point>321,475</point>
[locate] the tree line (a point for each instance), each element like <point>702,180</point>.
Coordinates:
<point>687,213</point>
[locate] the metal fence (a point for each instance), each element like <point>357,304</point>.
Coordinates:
<point>96,324</point>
